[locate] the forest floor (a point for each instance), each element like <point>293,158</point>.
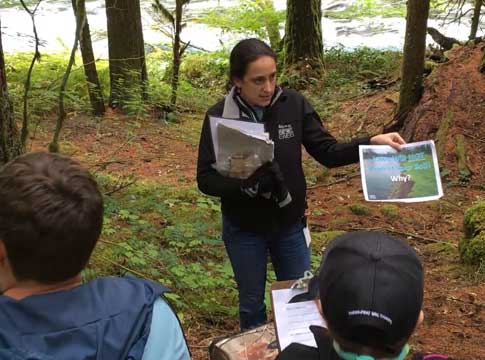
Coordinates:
<point>454,295</point>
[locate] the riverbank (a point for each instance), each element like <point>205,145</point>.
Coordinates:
<point>376,24</point>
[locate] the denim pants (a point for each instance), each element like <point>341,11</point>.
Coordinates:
<point>248,253</point>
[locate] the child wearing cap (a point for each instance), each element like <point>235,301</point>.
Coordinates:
<point>51,214</point>
<point>370,288</point>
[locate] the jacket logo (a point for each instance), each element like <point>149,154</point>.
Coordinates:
<point>285,131</point>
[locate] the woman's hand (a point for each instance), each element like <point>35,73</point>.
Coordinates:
<point>392,139</point>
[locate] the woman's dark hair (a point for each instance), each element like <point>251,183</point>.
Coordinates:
<point>245,52</point>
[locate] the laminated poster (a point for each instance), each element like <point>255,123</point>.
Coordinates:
<point>409,175</point>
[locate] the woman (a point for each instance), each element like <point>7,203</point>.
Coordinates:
<point>255,224</point>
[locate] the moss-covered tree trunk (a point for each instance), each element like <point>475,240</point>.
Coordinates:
<point>303,38</point>
<point>94,86</point>
<point>475,19</point>
<point>9,137</point>
<point>413,59</point>
<point>127,66</point>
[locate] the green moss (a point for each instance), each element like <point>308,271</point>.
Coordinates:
<point>441,207</point>
<point>321,239</point>
<point>474,220</point>
<point>340,221</point>
<point>445,248</point>
<point>472,251</point>
<point>390,211</point>
<point>429,66</point>
<point>360,210</point>
<point>442,134</point>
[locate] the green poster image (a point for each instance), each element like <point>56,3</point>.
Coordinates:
<point>409,175</point>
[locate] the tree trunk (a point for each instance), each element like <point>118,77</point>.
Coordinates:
<point>9,138</point>
<point>413,59</point>
<point>303,39</point>
<point>94,86</point>
<point>127,66</point>
<point>176,53</point>
<point>475,19</point>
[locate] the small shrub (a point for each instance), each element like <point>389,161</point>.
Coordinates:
<point>390,211</point>
<point>472,246</point>
<point>474,219</point>
<point>472,251</point>
<point>360,210</point>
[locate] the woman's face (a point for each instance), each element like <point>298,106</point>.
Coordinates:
<point>258,84</point>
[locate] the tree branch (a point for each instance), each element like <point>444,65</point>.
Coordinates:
<point>36,57</point>
<point>80,21</point>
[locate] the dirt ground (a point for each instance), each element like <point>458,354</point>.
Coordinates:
<point>454,297</point>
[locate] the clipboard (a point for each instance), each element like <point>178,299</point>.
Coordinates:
<point>301,325</point>
<point>279,285</point>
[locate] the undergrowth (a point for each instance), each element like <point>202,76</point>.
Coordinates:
<point>203,80</point>
<point>170,236</point>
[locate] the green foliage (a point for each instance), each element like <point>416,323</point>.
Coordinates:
<point>196,94</point>
<point>474,219</point>
<point>360,210</point>
<point>206,70</point>
<point>360,9</point>
<point>344,76</point>
<point>130,89</point>
<point>472,251</point>
<point>203,77</point>
<point>248,17</point>
<point>171,236</point>
<point>314,171</point>
<point>46,80</point>
<point>321,239</point>
<point>362,63</point>
<point>4,4</point>
<point>370,8</point>
<point>390,211</point>
<point>472,246</point>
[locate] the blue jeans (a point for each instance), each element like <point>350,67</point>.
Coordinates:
<point>248,253</point>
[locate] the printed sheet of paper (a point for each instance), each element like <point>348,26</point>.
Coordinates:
<point>410,175</point>
<point>240,147</point>
<point>246,126</point>
<point>293,320</point>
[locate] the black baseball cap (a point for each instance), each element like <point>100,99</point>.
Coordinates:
<point>371,289</point>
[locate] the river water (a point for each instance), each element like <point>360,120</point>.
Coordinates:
<point>55,25</point>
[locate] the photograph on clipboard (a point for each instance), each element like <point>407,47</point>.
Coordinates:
<point>410,175</point>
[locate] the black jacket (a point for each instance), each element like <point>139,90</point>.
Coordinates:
<point>291,122</point>
<point>325,351</point>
